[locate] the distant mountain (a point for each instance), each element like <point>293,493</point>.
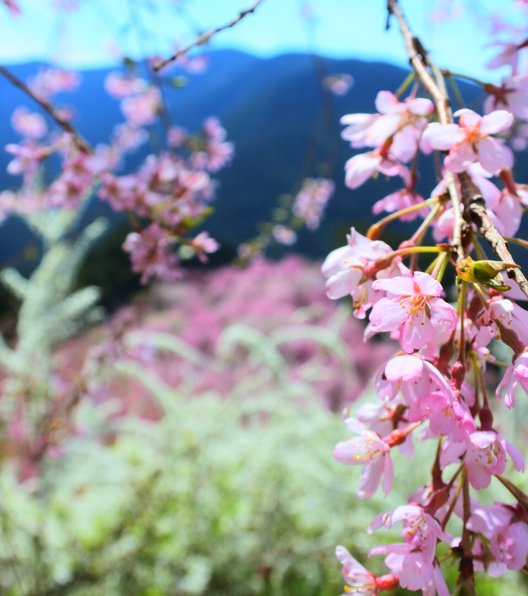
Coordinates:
<point>274,112</point>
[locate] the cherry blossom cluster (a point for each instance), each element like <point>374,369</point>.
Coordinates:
<point>436,385</point>
<point>511,92</point>
<point>168,194</point>
<point>310,202</point>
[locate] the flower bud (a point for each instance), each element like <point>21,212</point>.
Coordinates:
<point>387,582</point>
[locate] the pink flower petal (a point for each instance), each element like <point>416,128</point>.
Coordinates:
<point>404,368</point>
<point>387,315</point>
<point>387,103</point>
<point>416,332</point>
<point>442,136</point>
<point>370,479</point>
<point>428,285</point>
<point>343,283</point>
<point>420,106</point>
<point>388,474</point>
<point>491,155</point>
<point>359,169</point>
<point>496,121</point>
<point>468,118</point>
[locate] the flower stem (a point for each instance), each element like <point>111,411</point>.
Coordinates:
<point>440,266</point>
<point>406,83</point>
<point>374,230</point>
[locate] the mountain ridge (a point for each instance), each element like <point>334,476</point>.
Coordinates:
<point>270,108</point>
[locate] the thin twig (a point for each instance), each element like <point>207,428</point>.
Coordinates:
<point>65,124</point>
<point>205,37</point>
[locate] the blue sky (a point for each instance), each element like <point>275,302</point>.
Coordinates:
<point>343,28</point>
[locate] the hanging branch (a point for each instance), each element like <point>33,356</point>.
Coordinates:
<point>471,199</point>
<point>48,107</point>
<point>206,37</point>
<point>478,214</point>
<point>435,86</point>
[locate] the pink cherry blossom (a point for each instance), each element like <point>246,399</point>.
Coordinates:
<point>120,86</point>
<point>284,235</point>
<point>204,244</point>
<point>339,84</point>
<point>413,561</point>
<point>511,95</point>
<point>427,395</point>
<point>485,456</point>
<point>398,200</point>
<point>470,140</point>
<point>29,124</point>
<point>506,530</point>
<point>310,202</point>
<point>360,168</point>
<point>346,271</point>
<point>358,579</point>
<point>152,254</point>
<point>516,375</point>
<point>507,56</point>
<point>444,225</point>
<point>141,109</point>
<point>50,81</point>
<point>370,450</point>
<point>511,316</point>
<point>27,158</point>
<point>398,125</point>
<point>413,311</point>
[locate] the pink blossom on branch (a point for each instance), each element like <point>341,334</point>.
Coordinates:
<point>511,95</point>
<point>485,455</point>
<point>29,124</point>
<point>360,581</point>
<point>469,141</point>
<point>310,202</point>
<point>347,271</point>
<point>152,254</point>
<point>413,311</point>
<point>398,125</point>
<point>506,531</point>
<point>370,450</point>
<point>360,168</point>
<point>516,376</point>
<point>413,562</point>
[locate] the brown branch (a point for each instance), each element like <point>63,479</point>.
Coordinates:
<point>476,210</point>
<point>471,199</point>
<point>466,580</point>
<point>434,84</point>
<point>205,37</point>
<point>65,124</point>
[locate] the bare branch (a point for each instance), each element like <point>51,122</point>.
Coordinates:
<point>65,124</point>
<point>205,37</point>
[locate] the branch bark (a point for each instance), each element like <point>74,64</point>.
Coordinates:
<point>476,210</point>
<point>205,37</point>
<point>434,84</point>
<point>48,107</point>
